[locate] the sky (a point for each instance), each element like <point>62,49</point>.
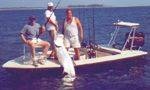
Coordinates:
<point>64,3</point>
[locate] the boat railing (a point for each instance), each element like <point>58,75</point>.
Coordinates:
<point>131,35</point>
<point>133,30</point>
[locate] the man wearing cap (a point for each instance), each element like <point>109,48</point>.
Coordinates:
<point>29,35</point>
<point>51,25</point>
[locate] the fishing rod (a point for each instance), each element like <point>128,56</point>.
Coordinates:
<point>92,44</point>
<point>93,12</point>
<point>49,17</point>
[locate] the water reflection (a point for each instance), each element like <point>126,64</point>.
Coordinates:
<point>111,79</point>
<point>135,77</point>
<point>68,83</point>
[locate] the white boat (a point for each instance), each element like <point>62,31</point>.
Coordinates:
<point>102,54</point>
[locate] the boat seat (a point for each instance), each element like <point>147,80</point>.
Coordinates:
<point>24,49</point>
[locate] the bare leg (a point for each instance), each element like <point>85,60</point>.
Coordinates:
<point>32,46</point>
<point>52,36</point>
<point>67,49</point>
<point>33,51</point>
<point>46,46</point>
<point>77,53</point>
<point>52,53</point>
<point>45,50</point>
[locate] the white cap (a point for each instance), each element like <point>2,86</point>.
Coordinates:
<point>59,40</point>
<point>50,4</point>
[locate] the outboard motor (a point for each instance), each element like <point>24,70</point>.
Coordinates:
<point>138,40</point>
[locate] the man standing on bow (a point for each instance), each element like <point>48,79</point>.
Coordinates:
<point>51,25</point>
<point>73,32</point>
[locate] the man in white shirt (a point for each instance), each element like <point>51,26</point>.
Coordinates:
<point>51,25</point>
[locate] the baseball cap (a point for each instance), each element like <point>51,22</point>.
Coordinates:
<point>31,18</point>
<point>50,4</point>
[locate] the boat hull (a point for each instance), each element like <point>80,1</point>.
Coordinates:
<point>84,65</point>
<point>122,64</point>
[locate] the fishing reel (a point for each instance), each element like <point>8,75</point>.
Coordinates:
<point>91,53</point>
<point>92,45</point>
<point>90,48</point>
<point>84,44</point>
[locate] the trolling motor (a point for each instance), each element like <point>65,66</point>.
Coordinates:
<point>138,40</point>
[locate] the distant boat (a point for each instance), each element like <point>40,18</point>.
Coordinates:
<point>91,55</point>
<point>87,6</point>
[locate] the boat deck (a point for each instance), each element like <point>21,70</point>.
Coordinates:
<point>99,53</point>
<point>101,57</point>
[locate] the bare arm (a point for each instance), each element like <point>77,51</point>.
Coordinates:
<point>80,29</point>
<point>42,29</point>
<point>63,27</point>
<point>23,38</point>
<point>51,22</point>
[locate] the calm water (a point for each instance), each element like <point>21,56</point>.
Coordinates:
<point>124,77</point>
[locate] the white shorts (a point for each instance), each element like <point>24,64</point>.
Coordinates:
<point>72,42</point>
<point>50,27</point>
<point>35,40</point>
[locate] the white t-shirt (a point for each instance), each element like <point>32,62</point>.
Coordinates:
<point>51,15</point>
<point>71,29</point>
